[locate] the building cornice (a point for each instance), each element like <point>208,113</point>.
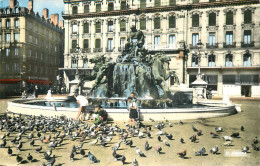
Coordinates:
<point>158,9</point>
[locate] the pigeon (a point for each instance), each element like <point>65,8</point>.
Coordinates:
<point>52,160</point>
<point>182,140</point>
<point>30,136</point>
<point>235,135</point>
<point>181,123</point>
<point>218,129</point>
<point>92,158</point>
<point>214,150</point>
<point>169,136</point>
<point>80,146</point>
<point>158,149</point>
<point>146,146</point>
<point>128,142</point>
<point>117,145</point>
<point>166,143</point>
<point>72,156</point>
<point>160,132</point>
<point>2,145</point>
<point>193,138</point>
<point>151,119</point>
<point>256,148</point>
<point>139,152</point>
<point>245,149</point>
<point>103,143</point>
<point>242,128</point>
<point>255,140</point>
<point>140,134</point>
<point>227,138</point>
<point>19,159</point>
<point>32,143</point>
<point>213,135</point>
<point>9,151</point>
<point>199,132</point>
<point>119,157</point>
<point>182,154</point>
<point>200,152</point>
<point>29,157</point>
<point>19,146</point>
<point>93,142</point>
<point>82,152</point>
<point>135,162</point>
<point>3,137</point>
<point>159,138</point>
<point>38,149</point>
<point>194,129</point>
<point>149,135</point>
<point>228,143</point>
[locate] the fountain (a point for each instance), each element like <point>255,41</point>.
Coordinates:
<point>134,71</point>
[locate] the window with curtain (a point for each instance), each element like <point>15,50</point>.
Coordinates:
<point>74,28</point>
<point>211,60</point>
<point>97,43</point>
<point>247,60</point>
<point>142,4</point>
<point>7,51</point>
<point>228,60</point>
<point>110,44</point>
<point>110,26</point>
<point>229,38</point>
<point>7,24</point>
<point>195,20</point>
<point>212,38</point>
<point>16,67</point>
<point>6,67</point>
<point>156,40</point>
<point>123,5</point>
<point>172,22</point>
<point>247,16</point>
<point>74,10</point>
<point>74,44</point>
<point>229,18</point>
<point>86,27</point>
<point>110,6</point>
<point>122,25</point>
<point>98,27</point>
<point>212,19</point>
<point>172,41</point>
<point>194,61</point>
<point>122,42</point>
<point>16,51</point>
<point>172,2</point>
<point>157,23</point>
<point>85,63</point>
<point>157,3</point>
<point>16,23</point>
<point>142,24</point>
<point>16,37</point>
<point>85,43</point>
<point>86,9</point>
<point>7,37</point>
<point>195,39</point>
<point>74,63</point>
<point>98,7</point>
<point>247,36</point>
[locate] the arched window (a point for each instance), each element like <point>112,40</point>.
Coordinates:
<point>74,10</point>
<point>247,59</point>
<point>7,11</point>
<point>211,60</point>
<point>194,61</point>
<point>229,60</point>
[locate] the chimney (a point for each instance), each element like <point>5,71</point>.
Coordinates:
<point>12,3</point>
<point>45,13</point>
<point>55,19</point>
<point>61,24</point>
<point>30,5</point>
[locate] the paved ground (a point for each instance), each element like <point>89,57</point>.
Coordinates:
<point>249,118</point>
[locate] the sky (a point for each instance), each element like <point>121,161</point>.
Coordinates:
<point>54,6</point>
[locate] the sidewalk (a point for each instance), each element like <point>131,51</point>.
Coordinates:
<point>237,98</point>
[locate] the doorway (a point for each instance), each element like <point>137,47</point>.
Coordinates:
<point>246,90</point>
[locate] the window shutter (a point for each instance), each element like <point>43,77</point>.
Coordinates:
<point>74,10</point>
<point>97,43</point>
<point>195,1</point>
<point>195,20</point>
<point>248,16</point>
<point>74,44</point>
<point>172,2</point>
<point>86,27</point>
<point>110,6</point>
<point>86,9</point>
<point>143,24</point>
<point>86,43</point>
<point>229,18</point>
<point>122,25</point>
<point>123,5</point>
<point>98,27</point>
<point>212,19</point>
<point>98,7</point>
<point>157,23</point>
<point>143,4</point>
<point>157,3</point>
<point>172,22</point>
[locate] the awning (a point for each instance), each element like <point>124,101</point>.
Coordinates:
<point>9,81</point>
<point>41,82</point>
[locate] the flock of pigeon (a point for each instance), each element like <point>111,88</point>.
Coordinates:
<point>17,130</point>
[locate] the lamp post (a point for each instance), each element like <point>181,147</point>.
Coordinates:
<point>77,55</point>
<point>199,55</point>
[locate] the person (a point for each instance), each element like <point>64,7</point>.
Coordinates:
<point>100,115</point>
<point>36,91</point>
<point>24,94</point>
<point>132,95</point>
<point>132,112</point>
<point>83,102</point>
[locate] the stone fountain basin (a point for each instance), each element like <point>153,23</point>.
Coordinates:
<point>21,106</point>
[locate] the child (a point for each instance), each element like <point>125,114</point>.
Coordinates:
<point>132,112</point>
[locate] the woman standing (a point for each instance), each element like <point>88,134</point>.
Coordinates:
<point>132,112</point>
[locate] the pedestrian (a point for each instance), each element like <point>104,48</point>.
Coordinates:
<point>83,102</point>
<point>100,115</point>
<point>36,91</point>
<point>132,111</point>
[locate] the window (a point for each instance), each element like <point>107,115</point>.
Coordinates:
<point>6,67</point>
<point>212,0</point>
<point>85,63</point>
<point>110,26</point>
<point>29,53</point>
<point>74,10</point>
<point>229,38</point>
<point>86,9</point>
<point>16,67</point>
<point>211,60</point>
<point>85,43</point>
<point>98,27</point>
<point>122,42</point>
<point>195,1</point>
<point>123,5</point>
<point>212,19</point>
<point>74,44</point>
<point>110,45</point>
<point>7,37</point>
<point>212,38</point>
<point>247,16</point>
<point>195,39</point>
<point>16,37</point>
<point>74,28</point>
<point>247,36</point>
<point>7,24</point>
<point>86,27</point>
<point>142,24</point>
<point>97,43</point>
<point>194,61</point>
<point>110,6</point>
<point>172,2</point>
<point>74,63</point>
<point>156,40</point>
<point>172,22</point>
<point>16,23</point>
<point>143,4</point>
<point>195,20</point>
<point>229,18</point>
<point>157,3</point>
<point>16,51</point>
<point>247,60</point>
<point>157,23</point>
<point>228,60</point>
<point>7,51</point>
<point>98,7</point>
<point>172,41</point>
<point>122,25</point>
<point>36,40</point>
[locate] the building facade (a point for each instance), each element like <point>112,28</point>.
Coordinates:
<point>31,48</point>
<point>229,31</point>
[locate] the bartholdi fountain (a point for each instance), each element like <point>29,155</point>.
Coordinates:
<point>134,71</point>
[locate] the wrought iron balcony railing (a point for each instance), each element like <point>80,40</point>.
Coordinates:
<point>98,49</point>
<point>212,46</point>
<point>251,44</point>
<point>229,45</point>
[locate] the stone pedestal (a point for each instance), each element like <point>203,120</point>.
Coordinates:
<point>199,89</point>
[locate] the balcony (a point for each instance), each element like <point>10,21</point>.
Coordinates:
<point>229,45</point>
<point>86,50</point>
<point>212,46</point>
<point>98,49</point>
<point>164,47</point>
<point>192,46</point>
<point>251,44</point>
<point>110,49</point>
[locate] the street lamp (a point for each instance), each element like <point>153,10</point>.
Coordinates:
<point>77,54</point>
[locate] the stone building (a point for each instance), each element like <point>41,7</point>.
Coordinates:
<point>229,56</point>
<point>31,48</point>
